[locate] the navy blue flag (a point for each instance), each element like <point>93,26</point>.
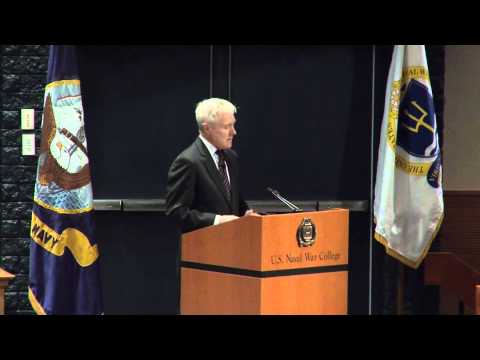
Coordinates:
<point>64,266</point>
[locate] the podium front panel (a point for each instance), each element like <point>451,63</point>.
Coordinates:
<point>215,293</point>
<point>270,243</point>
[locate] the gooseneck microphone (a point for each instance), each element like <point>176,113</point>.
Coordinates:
<point>291,206</point>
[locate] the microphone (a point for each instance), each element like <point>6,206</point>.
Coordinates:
<point>291,206</point>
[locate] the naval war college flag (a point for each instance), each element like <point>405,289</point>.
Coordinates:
<point>408,206</point>
<point>64,268</point>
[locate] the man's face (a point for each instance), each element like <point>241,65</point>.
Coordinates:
<point>221,132</point>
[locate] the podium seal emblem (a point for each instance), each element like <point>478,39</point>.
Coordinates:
<point>306,233</point>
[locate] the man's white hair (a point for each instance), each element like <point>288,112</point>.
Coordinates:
<point>207,110</point>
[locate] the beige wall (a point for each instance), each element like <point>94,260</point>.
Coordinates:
<point>462,118</point>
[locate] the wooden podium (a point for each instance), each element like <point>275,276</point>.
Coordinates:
<point>256,265</point>
<point>5,277</point>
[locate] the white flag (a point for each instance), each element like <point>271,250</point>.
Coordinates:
<point>408,206</point>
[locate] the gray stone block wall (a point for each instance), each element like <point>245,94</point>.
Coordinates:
<point>23,70</point>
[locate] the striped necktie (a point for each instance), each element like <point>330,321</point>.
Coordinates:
<point>223,172</point>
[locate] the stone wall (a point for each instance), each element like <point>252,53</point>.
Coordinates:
<point>23,70</point>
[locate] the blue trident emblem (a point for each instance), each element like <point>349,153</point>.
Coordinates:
<point>416,121</point>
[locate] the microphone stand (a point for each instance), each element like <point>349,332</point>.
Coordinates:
<point>284,201</point>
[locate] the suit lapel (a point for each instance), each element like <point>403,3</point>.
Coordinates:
<point>212,169</point>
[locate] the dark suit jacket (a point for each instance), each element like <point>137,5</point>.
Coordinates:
<point>195,192</point>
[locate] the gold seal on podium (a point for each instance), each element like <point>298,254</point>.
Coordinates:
<point>306,233</point>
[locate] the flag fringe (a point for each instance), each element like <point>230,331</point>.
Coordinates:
<point>414,264</point>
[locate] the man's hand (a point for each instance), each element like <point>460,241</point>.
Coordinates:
<point>225,218</point>
<point>251,213</point>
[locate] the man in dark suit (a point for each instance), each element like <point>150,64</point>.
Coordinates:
<point>202,186</point>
